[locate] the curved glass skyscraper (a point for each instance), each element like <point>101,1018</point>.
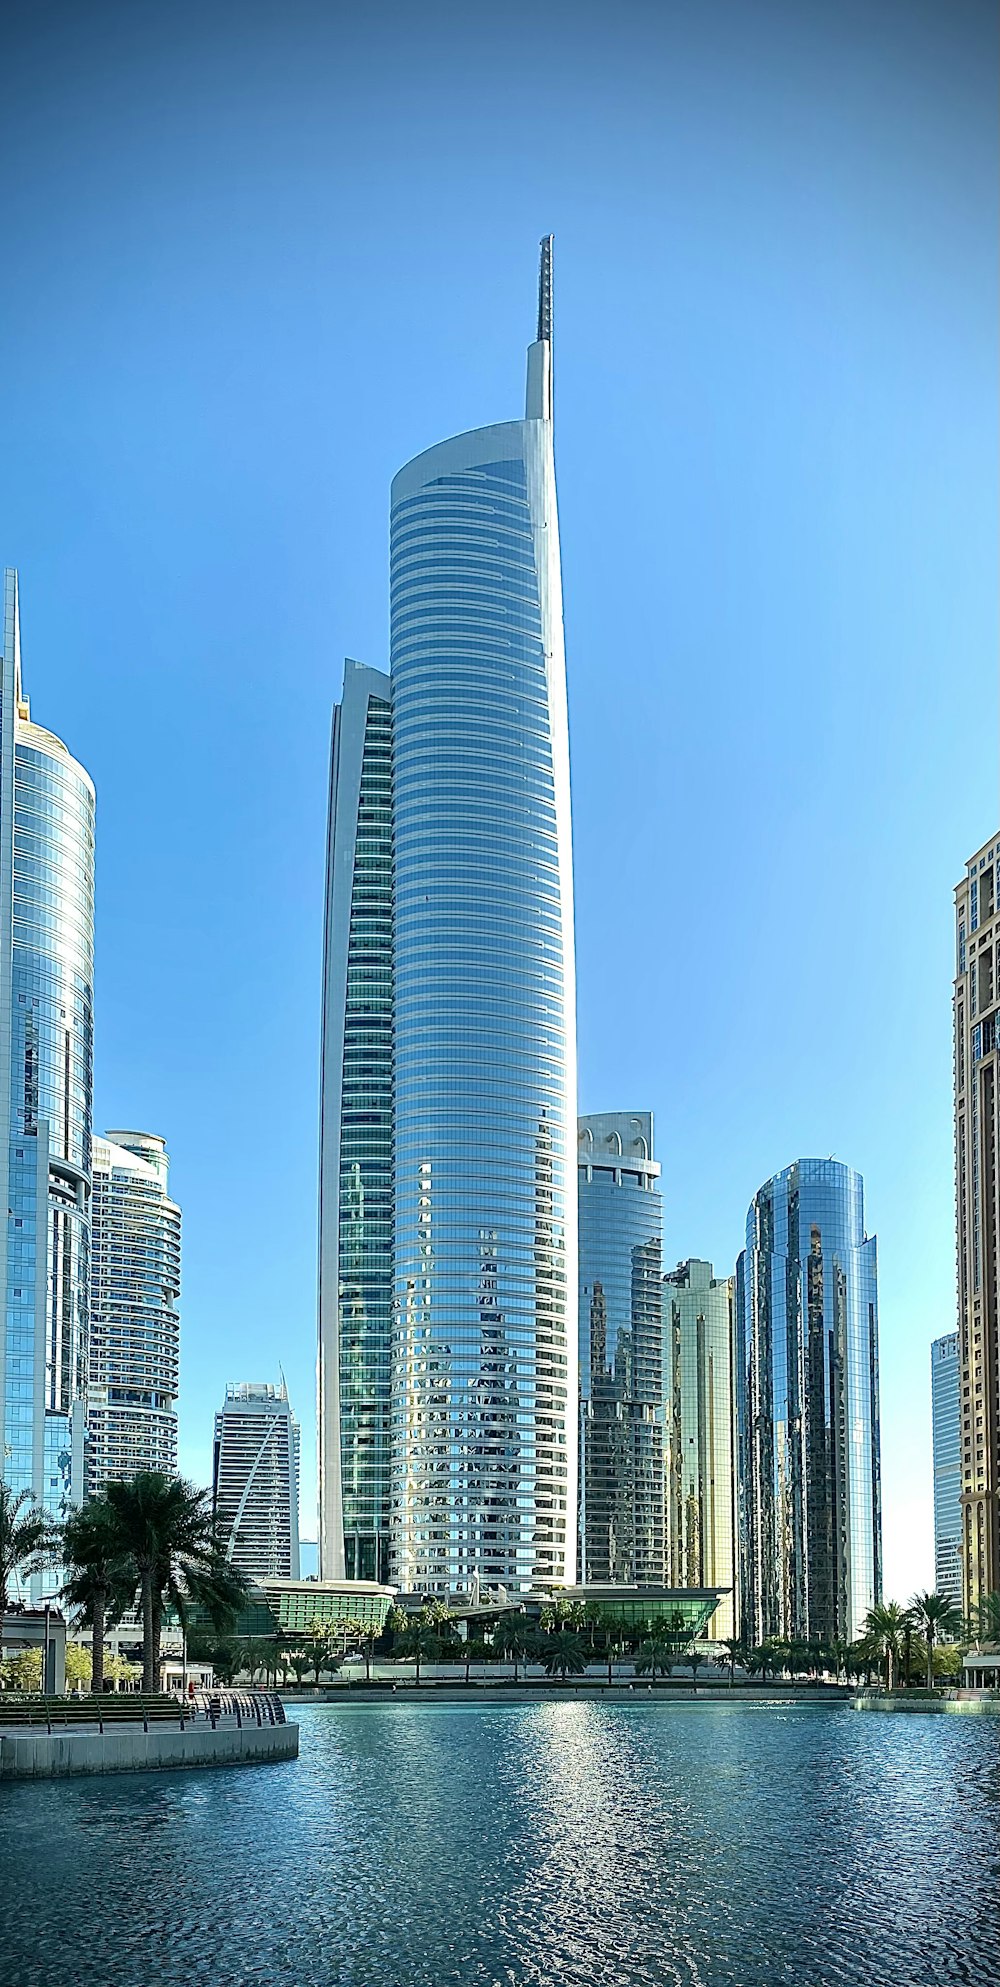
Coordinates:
<point>807,1405</point>
<point>448,1362</point>
<point>46,1092</point>
<point>484,1372</point>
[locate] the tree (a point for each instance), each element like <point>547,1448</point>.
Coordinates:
<point>514,1638</point>
<point>473,1652</point>
<point>422,1643</point>
<point>984,1625</point>
<point>164,1525</point>
<point>838,1652</point>
<point>256,1655</point>
<point>654,1657</point>
<point>695,1657</point>
<point>79,1665</point>
<point>884,1628</point>
<point>934,1615</point>
<point>100,1582</point>
<point>26,1535</point>
<point>735,1649</point>
<point>22,1671</point>
<point>118,1669</point>
<point>299,1659</point>
<point>762,1660</point>
<point>563,1654</point>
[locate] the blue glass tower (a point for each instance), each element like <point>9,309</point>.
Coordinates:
<point>621,1361</point>
<point>484,1360</point>
<point>46,1093</point>
<point>356,1187</point>
<point>946,1440</point>
<point>807,1407</point>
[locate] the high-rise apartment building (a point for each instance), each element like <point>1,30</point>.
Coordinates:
<point>946,1437</point>
<point>620,1218</point>
<point>699,1435</point>
<point>134,1320</point>
<point>478,1430</point>
<point>807,1408</point>
<point>977,1189</point>
<point>255,1481</point>
<point>46,1093</point>
<point>356,1151</point>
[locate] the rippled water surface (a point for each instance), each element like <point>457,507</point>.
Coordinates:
<point>554,1844</point>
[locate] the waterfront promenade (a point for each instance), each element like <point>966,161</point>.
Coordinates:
<point>55,1741</point>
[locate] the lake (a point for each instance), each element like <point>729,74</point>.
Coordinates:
<point>561,1844</point>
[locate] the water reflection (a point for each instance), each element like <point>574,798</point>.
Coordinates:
<point>545,1845</point>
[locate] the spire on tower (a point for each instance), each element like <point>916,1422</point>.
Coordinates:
<point>538,400</point>
<point>545,290</point>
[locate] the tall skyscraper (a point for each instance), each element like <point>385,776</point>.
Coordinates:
<point>477,1101</point>
<point>134,1320</point>
<point>700,1433</point>
<point>356,1154</point>
<point>621,1380</point>
<point>946,1436</point>
<point>807,1406</point>
<point>255,1481</point>
<point>977,1188</point>
<point>46,1093</point>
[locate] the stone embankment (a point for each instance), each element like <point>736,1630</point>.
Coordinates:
<point>43,1740</point>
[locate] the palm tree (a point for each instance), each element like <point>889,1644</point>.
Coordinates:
<point>512,1637</point>
<point>422,1642</point>
<point>563,1654</point>
<point>164,1526</point>
<point>25,1538</point>
<point>885,1627</point>
<point>761,1660</point>
<point>838,1652</point>
<point>984,1625</point>
<point>735,1648</point>
<point>100,1584</point>
<point>934,1615</point>
<point>652,1658</point>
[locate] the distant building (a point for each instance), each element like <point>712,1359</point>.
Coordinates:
<point>134,1320</point>
<point>808,1409</point>
<point>698,1373</point>
<point>46,1097</point>
<point>356,1151</point>
<point>977,1188</point>
<point>620,1215</point>
<point>255,1481</point>
<point>946,1432</point>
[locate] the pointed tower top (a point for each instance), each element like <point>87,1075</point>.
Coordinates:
<point>545,290</point>
<point>538,399</point>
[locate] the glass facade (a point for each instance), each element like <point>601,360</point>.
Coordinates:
<point>946,1436</point>
<point>46,1093</point>
<point>134,1320</point>
<point>255,1481</point>
<point>699,1418</point>
<point>484,1368</point>
<point>356,1183</point>
<point>621,1380</point>
<point>807,1353</point>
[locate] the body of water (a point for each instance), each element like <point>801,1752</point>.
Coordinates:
<point>567,1844</point>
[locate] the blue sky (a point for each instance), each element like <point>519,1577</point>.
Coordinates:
<point>252,264</point>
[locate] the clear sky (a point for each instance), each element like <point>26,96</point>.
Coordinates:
<point>257,257</point>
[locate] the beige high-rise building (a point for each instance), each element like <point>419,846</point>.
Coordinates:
<point>700,1461</point>
<point>977,979</point>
